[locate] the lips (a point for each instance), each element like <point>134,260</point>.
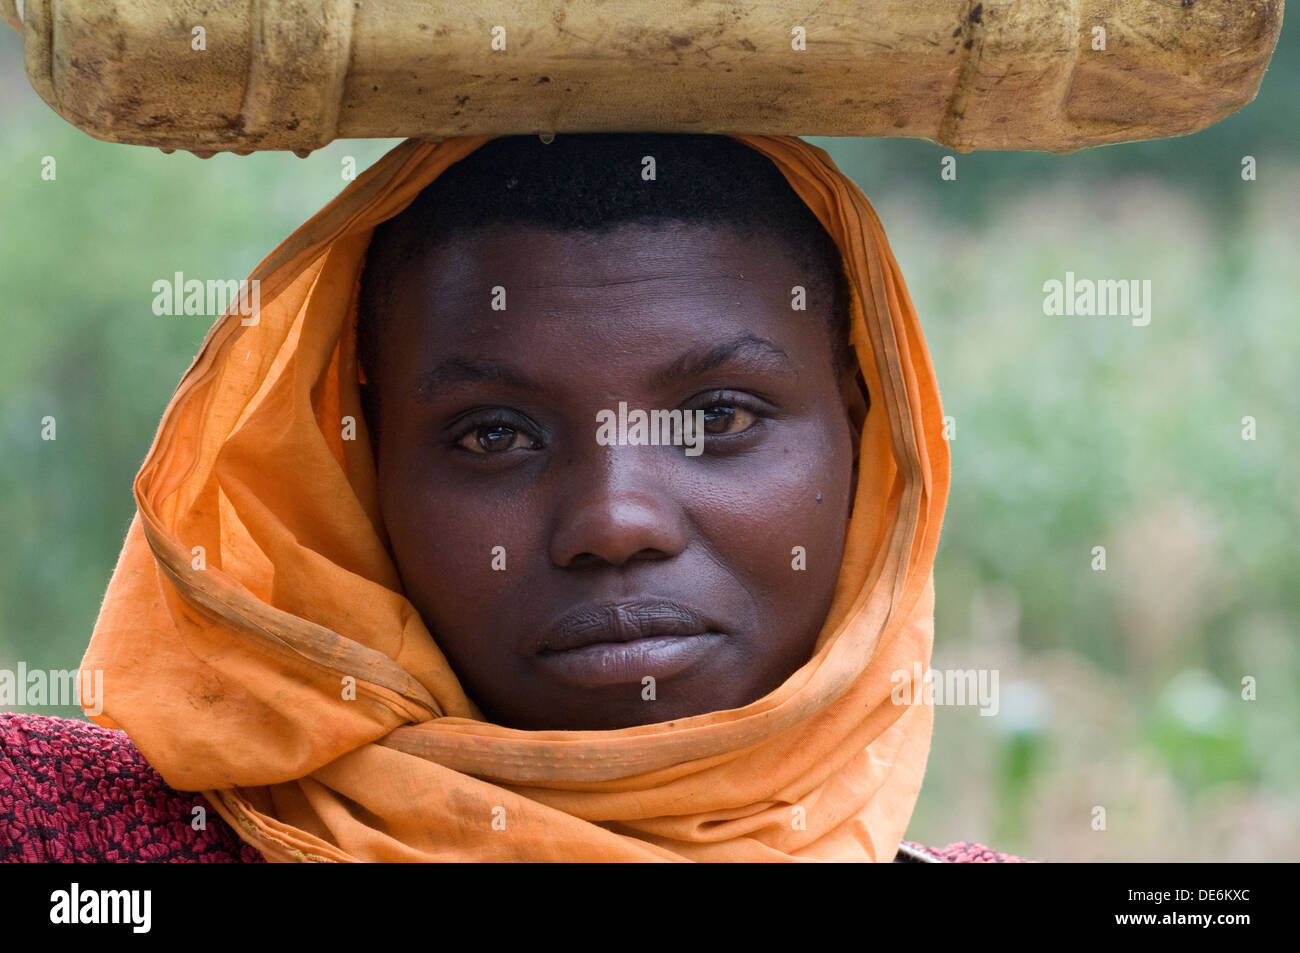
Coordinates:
<point>624,622</point>
<point>618,644</point>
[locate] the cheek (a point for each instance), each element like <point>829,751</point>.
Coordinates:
<point>763,520</point>
<point>459,551</point>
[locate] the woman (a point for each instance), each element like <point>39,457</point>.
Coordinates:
<point>562,501</point>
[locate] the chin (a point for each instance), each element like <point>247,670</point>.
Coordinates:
<point>607,716</point>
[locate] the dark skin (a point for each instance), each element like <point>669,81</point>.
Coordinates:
<point>487,438</point>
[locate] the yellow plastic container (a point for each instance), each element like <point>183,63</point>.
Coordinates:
<point>296,74</point>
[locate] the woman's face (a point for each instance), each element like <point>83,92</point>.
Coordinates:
<point>575,583</point>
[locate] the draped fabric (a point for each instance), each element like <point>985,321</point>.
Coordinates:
<point>256,644</point>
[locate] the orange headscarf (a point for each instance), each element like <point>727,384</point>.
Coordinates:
<point>256,644</point>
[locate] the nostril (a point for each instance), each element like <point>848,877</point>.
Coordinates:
<point>594,561</point>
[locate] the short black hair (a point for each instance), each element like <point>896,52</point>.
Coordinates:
<point>593,182</point>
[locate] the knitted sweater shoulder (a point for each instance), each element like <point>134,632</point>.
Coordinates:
<point>71,791</point>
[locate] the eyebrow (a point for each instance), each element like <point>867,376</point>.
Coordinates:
<point>463,370</point>
<point>749,348</point>
<point>746,348</point>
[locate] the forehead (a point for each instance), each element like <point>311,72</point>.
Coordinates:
<point>625,294</point>
<point>632,271</point>
<point>537,257</point>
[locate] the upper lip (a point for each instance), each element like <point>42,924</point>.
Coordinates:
<point>622,622</point>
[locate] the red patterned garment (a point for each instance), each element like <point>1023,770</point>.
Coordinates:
<point>71,791</point>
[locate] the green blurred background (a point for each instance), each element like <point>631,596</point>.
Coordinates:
<point>1119,689</point>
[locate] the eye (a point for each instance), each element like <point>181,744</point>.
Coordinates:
<point>723,418</point>
<point>496,438</point>
<point>730,413</point>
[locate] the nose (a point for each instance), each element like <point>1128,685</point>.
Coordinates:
<point>619,508</point>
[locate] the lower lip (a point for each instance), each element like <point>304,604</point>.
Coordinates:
<point>622,663</point>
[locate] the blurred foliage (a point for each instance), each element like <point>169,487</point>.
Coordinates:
<point>1119,689</point>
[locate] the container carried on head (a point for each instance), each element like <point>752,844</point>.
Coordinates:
<point>243,75</point>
